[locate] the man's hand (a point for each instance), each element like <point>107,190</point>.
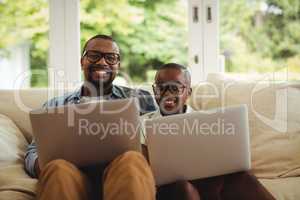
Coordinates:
<point>37,168</point>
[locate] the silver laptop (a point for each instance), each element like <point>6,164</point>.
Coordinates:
<point>199,144</point>
<point>88,133</point>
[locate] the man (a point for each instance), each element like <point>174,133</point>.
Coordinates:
<point>172,88</point>
<point>128,176</point>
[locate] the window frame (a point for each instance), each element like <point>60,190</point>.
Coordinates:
<point>64,40</point>
<point>203,42</point>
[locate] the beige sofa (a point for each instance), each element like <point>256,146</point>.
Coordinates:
<point>274,116</point>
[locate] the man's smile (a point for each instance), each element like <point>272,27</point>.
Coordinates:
<point>100,72</point>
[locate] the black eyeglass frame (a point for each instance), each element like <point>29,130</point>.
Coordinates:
<point>181,88</point>
<point>102,55</point>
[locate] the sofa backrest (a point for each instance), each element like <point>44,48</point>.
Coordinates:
<point>274,119</point>
<point>16,104</point>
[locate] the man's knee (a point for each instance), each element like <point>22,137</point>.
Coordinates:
<point>58,167</point>
<point>60,177</point>
<point>130,159</point>
<point>131,170</point>
<point>132,156</point>
<point>130,164</point>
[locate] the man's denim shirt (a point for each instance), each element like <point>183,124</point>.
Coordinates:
<point>146,104</point>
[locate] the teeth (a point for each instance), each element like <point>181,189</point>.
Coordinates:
<point>101,72</point>
<point>170,101</point>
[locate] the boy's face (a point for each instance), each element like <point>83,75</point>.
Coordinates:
<point>171,90</point>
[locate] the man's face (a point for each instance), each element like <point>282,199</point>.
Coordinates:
<point>171,90</point>
<point>100,62</point>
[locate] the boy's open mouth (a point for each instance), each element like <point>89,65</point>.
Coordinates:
<point>170,102</point>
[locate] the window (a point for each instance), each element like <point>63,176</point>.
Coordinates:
<point>236,36</point>
<point>148,32</point>
<point>261,37</point>
<point>43,38</point>
<point>23,43</point>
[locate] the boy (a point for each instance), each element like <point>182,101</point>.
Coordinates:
<point>172,88</point>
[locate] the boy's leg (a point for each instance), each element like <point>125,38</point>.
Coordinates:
<point>181,190</point>
<point>210,188</point>
<point>244,185</point>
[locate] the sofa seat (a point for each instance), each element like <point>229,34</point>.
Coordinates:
<point>275,155</point>
<point>283,188</point>
<point>15,184</point>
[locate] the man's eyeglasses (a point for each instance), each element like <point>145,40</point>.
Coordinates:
<point>95,56</point>
<point>173,88</point>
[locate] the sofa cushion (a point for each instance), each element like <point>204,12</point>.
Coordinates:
<point>16,104</point>
<point>274,120</point>
<point>12,142</point>
<point>13,178</point>
<point>283,188</point>
<point>15,195</point>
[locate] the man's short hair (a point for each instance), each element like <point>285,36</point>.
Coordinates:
<point>185,71</point>
<point>100,36</point>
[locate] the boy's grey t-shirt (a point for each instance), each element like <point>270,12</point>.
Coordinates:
<point>154,115</point>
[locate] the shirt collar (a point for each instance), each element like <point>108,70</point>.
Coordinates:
<point>117,92</point>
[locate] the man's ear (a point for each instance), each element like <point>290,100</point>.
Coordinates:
<point>118,68</point>
<point>81,63</point>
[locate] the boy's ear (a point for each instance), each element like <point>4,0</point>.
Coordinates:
<point>190,91</point>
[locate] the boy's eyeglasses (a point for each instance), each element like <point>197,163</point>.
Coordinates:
<point>175,89</point>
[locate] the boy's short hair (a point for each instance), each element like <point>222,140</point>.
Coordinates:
<point>187,74</point>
